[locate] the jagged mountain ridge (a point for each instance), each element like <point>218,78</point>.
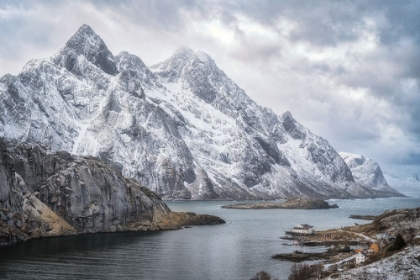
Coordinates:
<point>367,172</point>
<point>181,127</point>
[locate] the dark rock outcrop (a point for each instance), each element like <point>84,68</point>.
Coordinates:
<point>51,194</point>
<point>88,44</point>
<point>363,217</point>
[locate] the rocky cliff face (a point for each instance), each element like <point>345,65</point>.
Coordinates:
<point>367,172</point>
<point>182,127</point>
<point>48,194</point>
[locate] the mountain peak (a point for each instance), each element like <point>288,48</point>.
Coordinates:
<point>292,126</point>
<point>186,53</point>
<point>287,114</point>
<point>85,42</point>
<point>84,38</point>
<point>85,29</point>
<point>171,68</point>
<point>288,118</point>
<point>183,56</point>
<point>350,157</point>
<point>415,177</point>
<point>203,57</point>
<point>183,50</point>
<point>367,172</point>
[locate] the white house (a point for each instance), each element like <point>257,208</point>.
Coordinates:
<point>382,235</point>
<point>304,229</point>
<point>360,258</point>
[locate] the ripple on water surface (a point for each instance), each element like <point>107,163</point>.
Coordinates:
<point>236,250</point>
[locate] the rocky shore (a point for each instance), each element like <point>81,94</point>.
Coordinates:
<point>45,194</point>
<point>16,229</point>
<point>294,203</point>
<point>301,257</point>
<point>403,265</point>
<point>363,217</point>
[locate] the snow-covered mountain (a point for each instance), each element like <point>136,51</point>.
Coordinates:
<point>181,127</point>
<point>404,185</point>
<point>367,172</point>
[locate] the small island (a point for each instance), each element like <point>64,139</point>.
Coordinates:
<point>294,203</point>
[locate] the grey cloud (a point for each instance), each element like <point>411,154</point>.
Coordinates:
<point>20,32</point>
<point>411,159</point>
<point>403,20</point>
<point>164,15</point>
<point>320,22</point>
<point>257,52</point>
<point>330,22</point>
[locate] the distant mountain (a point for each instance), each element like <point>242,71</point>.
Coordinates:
<point>404,185</point>
<point>367,172</point>
<point>181,127</point>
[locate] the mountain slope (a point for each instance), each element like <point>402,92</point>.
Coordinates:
<point>181,127</point>
<point>367,172</point>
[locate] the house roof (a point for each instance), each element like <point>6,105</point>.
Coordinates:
<point>303,226</point>
<point>306,225</point>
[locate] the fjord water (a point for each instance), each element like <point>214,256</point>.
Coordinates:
<point>236,250</point>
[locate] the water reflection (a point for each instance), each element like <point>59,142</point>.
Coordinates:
<point>236,250</point>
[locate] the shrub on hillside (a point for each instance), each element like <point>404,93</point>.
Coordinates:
<point>304,272</point>
<point>398,243</point>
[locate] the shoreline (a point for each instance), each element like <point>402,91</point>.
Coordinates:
<point>11,236</point>
<point>278,199</point>
<point>398,224</point>
<point>293,203</point>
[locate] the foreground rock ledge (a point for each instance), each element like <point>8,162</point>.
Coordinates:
<point>44,194</point>
<point>11,234</point>
<point>294,203</point>
<point>404,264</point>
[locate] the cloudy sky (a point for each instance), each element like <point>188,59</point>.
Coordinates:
<point>347,70</point>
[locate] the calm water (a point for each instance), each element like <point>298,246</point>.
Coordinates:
<point>236,250</point>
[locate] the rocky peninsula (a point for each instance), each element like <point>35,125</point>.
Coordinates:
<point>44,193</point>
<point>299,256</point>
<point>363,217</point>
<point>387,261</point>
<point>294,203</point>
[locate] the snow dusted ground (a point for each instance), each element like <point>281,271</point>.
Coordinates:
<point>404,265</point>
